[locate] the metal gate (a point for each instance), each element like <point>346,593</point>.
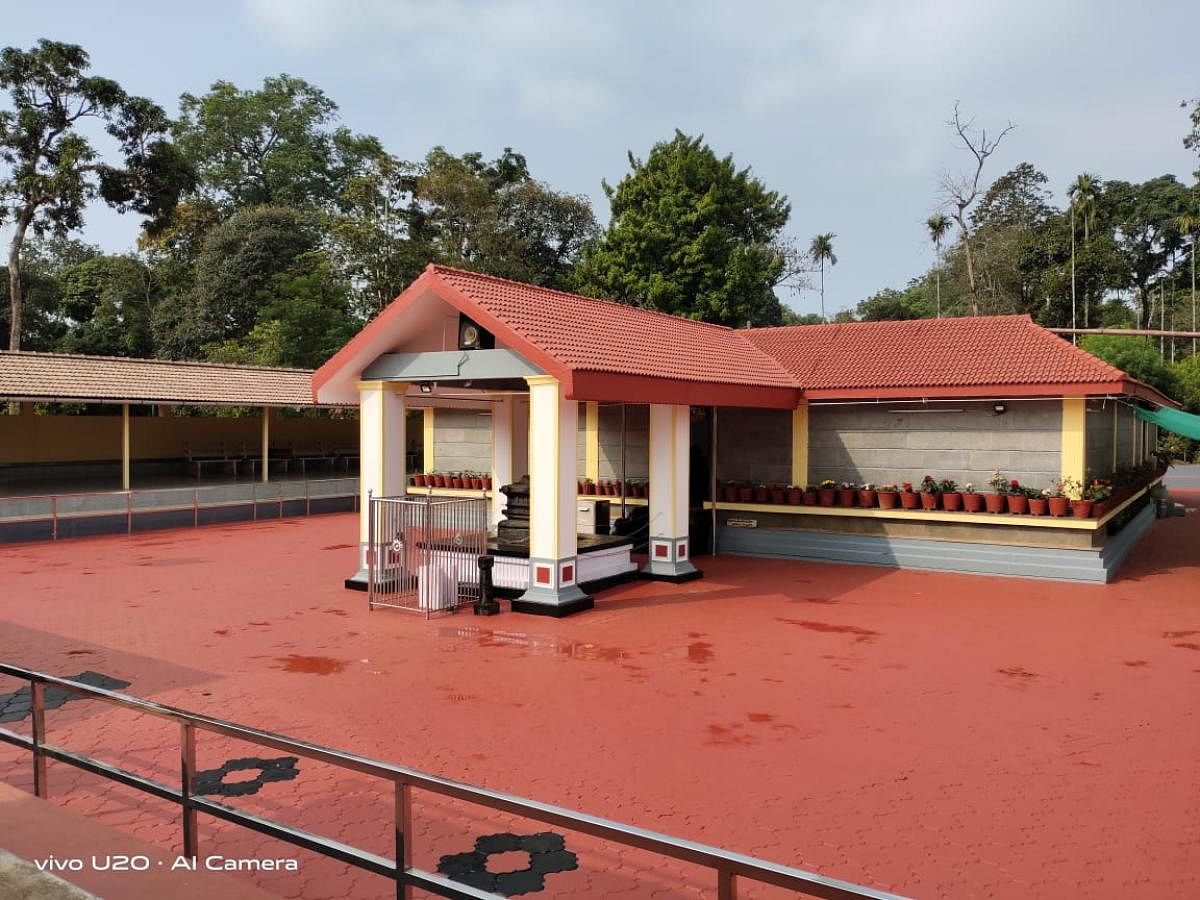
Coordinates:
<point>424,552</point>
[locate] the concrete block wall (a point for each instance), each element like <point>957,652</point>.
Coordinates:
<point>462,440</point>
<point>754,445</point>
<point>637,441</point>
<point>966,441</point>
<point>1102,418</point>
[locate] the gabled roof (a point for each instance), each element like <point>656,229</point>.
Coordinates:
<point>598,349</point>
<point>603,350</point>
<point>959,357</point>
<point>118,379</point>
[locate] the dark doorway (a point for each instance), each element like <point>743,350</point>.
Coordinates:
<point>700,480</point>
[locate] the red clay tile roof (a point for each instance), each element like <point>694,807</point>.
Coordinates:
<point>62,376</point>
<point>584,333</point>
<point>985,351</point>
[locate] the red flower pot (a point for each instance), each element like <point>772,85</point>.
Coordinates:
<point>1058,505</point>
<point>909,500</point>
<point>866,499</point>
<point>456,483</point>
<point>1099,508</point>
<point>929,501</point>
<point>825,496</point>
<point>1018,504</point>
<point>729,493</point>
<point>809,498</point>
<point>972,502</point>
<point>795,496</point>
<point>778,495</point>
<point>487,483</point>
<point>589,488</point>
<point>952,501</point>
<point>846,496</point>
<point>761,495</point>
<point>887,499</point>
<point>1081,509</point>
<point>1038,506</point>
<point>439,480</point>
<point>745,495</point>
<point>995,503</point>
<point>477,484</point>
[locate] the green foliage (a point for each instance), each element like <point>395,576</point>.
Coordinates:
<point>691,235</point>
<point>1136,356</point>
<point>108,301</point>
<point>1185,380</point>
<point>889,304</point>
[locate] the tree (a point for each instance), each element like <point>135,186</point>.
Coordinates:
<point>275,146</point>
<point>1082,196</point>
<point>53,171</point>
<point>107,303</point>
<point>1189,224</point>
<point>1185,380</point>
<point>893,305</point>
<point>692,235</point>
<point>961,191</point>
<point>1136,356</point>
<point>820,251</point>
<point>938,225</point>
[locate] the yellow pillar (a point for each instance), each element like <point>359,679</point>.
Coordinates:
<point>382,447</point>
<point>800,444</point>
<point>1074,438</point>
<point>427,431</point>
<point>591,439</point>
<point>125,481</point>
<point>266,440</point>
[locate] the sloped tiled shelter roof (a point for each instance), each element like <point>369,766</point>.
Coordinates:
<point>602,350</point>
<point>114,379</point>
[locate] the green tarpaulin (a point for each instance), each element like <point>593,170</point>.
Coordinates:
<point>1173,420</point>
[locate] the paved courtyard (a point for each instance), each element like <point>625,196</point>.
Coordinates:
<point>931,734</point>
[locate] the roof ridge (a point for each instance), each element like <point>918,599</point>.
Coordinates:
<point>524,285</point>
<point>241,367</point>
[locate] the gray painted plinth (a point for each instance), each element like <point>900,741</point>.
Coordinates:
<point>1096,566</point>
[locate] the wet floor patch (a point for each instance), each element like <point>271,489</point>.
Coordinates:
<point>861,635</point>
<point>312,665</point>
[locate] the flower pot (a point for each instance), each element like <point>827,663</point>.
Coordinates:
<point>972,502</point>
<point>809,498</point>
<point>729,493</point>
<point>761,495</point>
<point>909,500</point>
<point>952,501</point>
<point>589,488</point>
<point>1038,506</point>
<point>846,496</point>
<point>1099,508</point>
<point>1058,505</point>
<point>439,480</point>
<point>795,496</point>
<point>825,496</point>
<point>456,482</point>
<point>477,484</point>
<point>1018,504</point>
<point>1081,509</point>
<point>887,499</point>
<point>778,495</point>
<point>487,483</point>
<point>412,479</point>
<point>745,495</point>
<point>929,501</point>
<point>866,499</point>
<point>995,503</point>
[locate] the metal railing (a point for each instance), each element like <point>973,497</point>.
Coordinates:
<point>130,505</point>
<point>726,867</point>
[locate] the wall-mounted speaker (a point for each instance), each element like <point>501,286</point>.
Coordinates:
<point>473,336</point>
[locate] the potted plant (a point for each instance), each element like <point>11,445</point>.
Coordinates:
<point>456,480</point>
<point>847,493</point>
<point>795,495</point>
<point>866,495</point>
<point>1057,497</point>
<point>996,502</point>
<point>972,502</point>
<point>951,497</point>
<point>729,492</point>
<point>745,493</point>
<point>887,495</point>
<point>826,492</point>
<point>909,499</point>
<point>487,482</point>
<point>778,493</point>
<point>1039,505</point>
<point>439,480</point>
<point>930,489</point>
<point>589,487</point>
<point>1099,492</point>
<point>761,494</point>
<point>810,495</point>
<point>1018,503</point>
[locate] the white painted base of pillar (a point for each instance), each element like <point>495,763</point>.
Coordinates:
<point>670,559</point>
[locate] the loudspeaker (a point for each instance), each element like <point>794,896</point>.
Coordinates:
<point>472,336</point>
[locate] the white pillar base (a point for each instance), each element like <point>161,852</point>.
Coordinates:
<point>553,589</point>
<point>670,560</point>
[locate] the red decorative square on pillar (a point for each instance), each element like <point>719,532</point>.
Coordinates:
<point>541,574</point>
<point>681,553</point>
<point>660,550</point>
<point>568,574</point>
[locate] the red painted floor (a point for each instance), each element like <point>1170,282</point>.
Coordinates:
<point>931,734</point>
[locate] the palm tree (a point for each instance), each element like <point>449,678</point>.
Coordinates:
<point>1082,194</point>
<point>938,226</point>
<point>1189,224</point>
<point>821,251</point>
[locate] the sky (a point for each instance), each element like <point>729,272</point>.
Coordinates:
<point>841,106</point>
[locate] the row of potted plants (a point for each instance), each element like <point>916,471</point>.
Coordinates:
<point>1065,496</point>
<point>475,481</point>
<point>614,488</point>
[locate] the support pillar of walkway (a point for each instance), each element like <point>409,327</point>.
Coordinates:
<point>502,453</point>
<point>670,457</point>
<point>381,454</point>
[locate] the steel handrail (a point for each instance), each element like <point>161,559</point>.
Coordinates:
<point>727,866</point>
